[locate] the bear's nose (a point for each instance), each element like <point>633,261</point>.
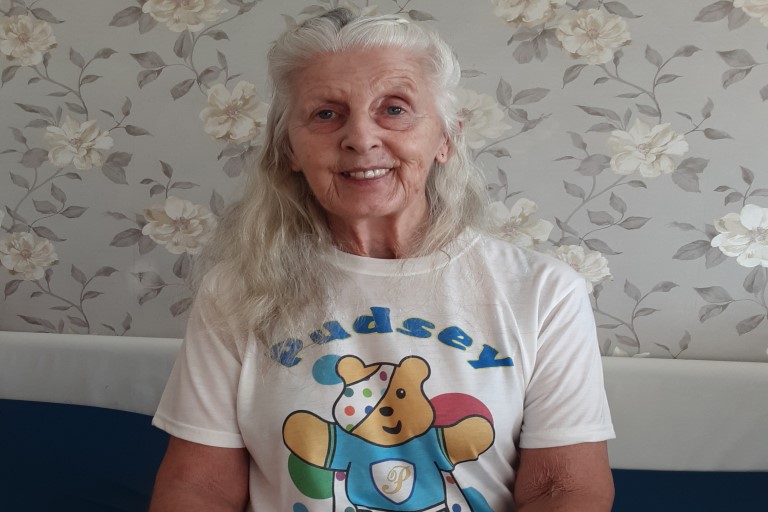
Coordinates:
<point>386,411</point>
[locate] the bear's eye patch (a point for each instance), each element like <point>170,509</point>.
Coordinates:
<point>400,393</point>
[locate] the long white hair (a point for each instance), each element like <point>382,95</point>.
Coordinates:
<point>263,269</point>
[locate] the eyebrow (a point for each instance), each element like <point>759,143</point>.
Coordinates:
<point>403,83</point>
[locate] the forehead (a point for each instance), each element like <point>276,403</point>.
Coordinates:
<point>357,70</point>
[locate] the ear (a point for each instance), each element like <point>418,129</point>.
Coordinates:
<point>444,150</point>
<point>351,369</point>
<point>416,368</point>
<point>295,167</point>
<point>286,148</point>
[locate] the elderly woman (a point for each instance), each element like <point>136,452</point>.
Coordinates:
<point>360,339</point>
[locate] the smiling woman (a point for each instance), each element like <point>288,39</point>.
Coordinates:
<point>288,395</point>
<point>365,138</point>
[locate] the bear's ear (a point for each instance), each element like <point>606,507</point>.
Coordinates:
<point>415,367</point>
<point>351,369</point>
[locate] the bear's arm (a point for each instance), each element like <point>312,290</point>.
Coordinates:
<point>308,437</point>
<point>467,439</point>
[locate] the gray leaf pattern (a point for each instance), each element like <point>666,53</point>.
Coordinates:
<point>620,136</point>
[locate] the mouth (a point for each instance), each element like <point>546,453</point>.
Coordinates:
<point>393,430</point>
<point>368,174</point>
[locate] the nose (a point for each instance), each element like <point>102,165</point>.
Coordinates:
<point>386,411</point>
<point>361,133</point>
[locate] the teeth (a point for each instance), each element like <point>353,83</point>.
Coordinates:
<point>367,175</point>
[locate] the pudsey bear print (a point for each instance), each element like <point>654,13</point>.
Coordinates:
<point>383,438</point>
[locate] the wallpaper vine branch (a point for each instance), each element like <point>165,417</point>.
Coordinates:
<point>622,137</point>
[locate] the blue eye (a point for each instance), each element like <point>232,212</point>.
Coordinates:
<point>395,111</point>
<point>325,115</point>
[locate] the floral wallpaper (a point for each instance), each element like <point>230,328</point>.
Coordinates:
<point>625,138</point>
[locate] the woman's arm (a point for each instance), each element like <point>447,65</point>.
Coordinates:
<point>195,477</point>
<point>574,478</point>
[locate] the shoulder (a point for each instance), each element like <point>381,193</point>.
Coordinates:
<point>211,320</point>
<point>507,261</point>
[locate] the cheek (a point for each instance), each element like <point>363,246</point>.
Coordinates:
<point>419,167</point>
<point>312,148</point>
<point>418,154</point>
<point>302,156</point>
<point>432,146</point>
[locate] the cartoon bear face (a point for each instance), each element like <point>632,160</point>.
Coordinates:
<point>403,410</point>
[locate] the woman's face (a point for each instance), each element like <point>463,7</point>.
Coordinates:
<point>365,131</point>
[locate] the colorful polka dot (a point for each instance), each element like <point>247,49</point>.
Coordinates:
<point>349,509</point>
<point>450,479</point>
<point>324,370</point>
<point>313,482</point>
<point>368,409</point>
<point>367,393</point>
<point>341,476</point>
<point>383,376</point>
<point>349,410</point>
<point>349,427</point>
<point>299,507</point>
<point>348,392</point>
<point>456,508</point>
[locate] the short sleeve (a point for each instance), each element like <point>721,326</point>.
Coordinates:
<point>200,398</point>
<point>343,449</point>
<point>565,401</point>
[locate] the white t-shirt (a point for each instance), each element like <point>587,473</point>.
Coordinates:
<point>414,394</point>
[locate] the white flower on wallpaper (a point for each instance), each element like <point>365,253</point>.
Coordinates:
<point>482,117</point>
<point>26,255</point>
<point>526,12</point>
<point>77,144</point>
<point>234,117</point>
<point>180,225</point>
<point>593,34</point>
<point>181,15</point>
<point>590,264</point>
<point>645,149</point>
<point>24,39</point>
<point>754,8</point>
<point>744,236</point>
<point>517,223</point>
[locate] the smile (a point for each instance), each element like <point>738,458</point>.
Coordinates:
<point>366,175</point>
<point>393,430</point>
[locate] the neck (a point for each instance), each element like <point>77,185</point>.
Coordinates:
<point>384,238</point>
